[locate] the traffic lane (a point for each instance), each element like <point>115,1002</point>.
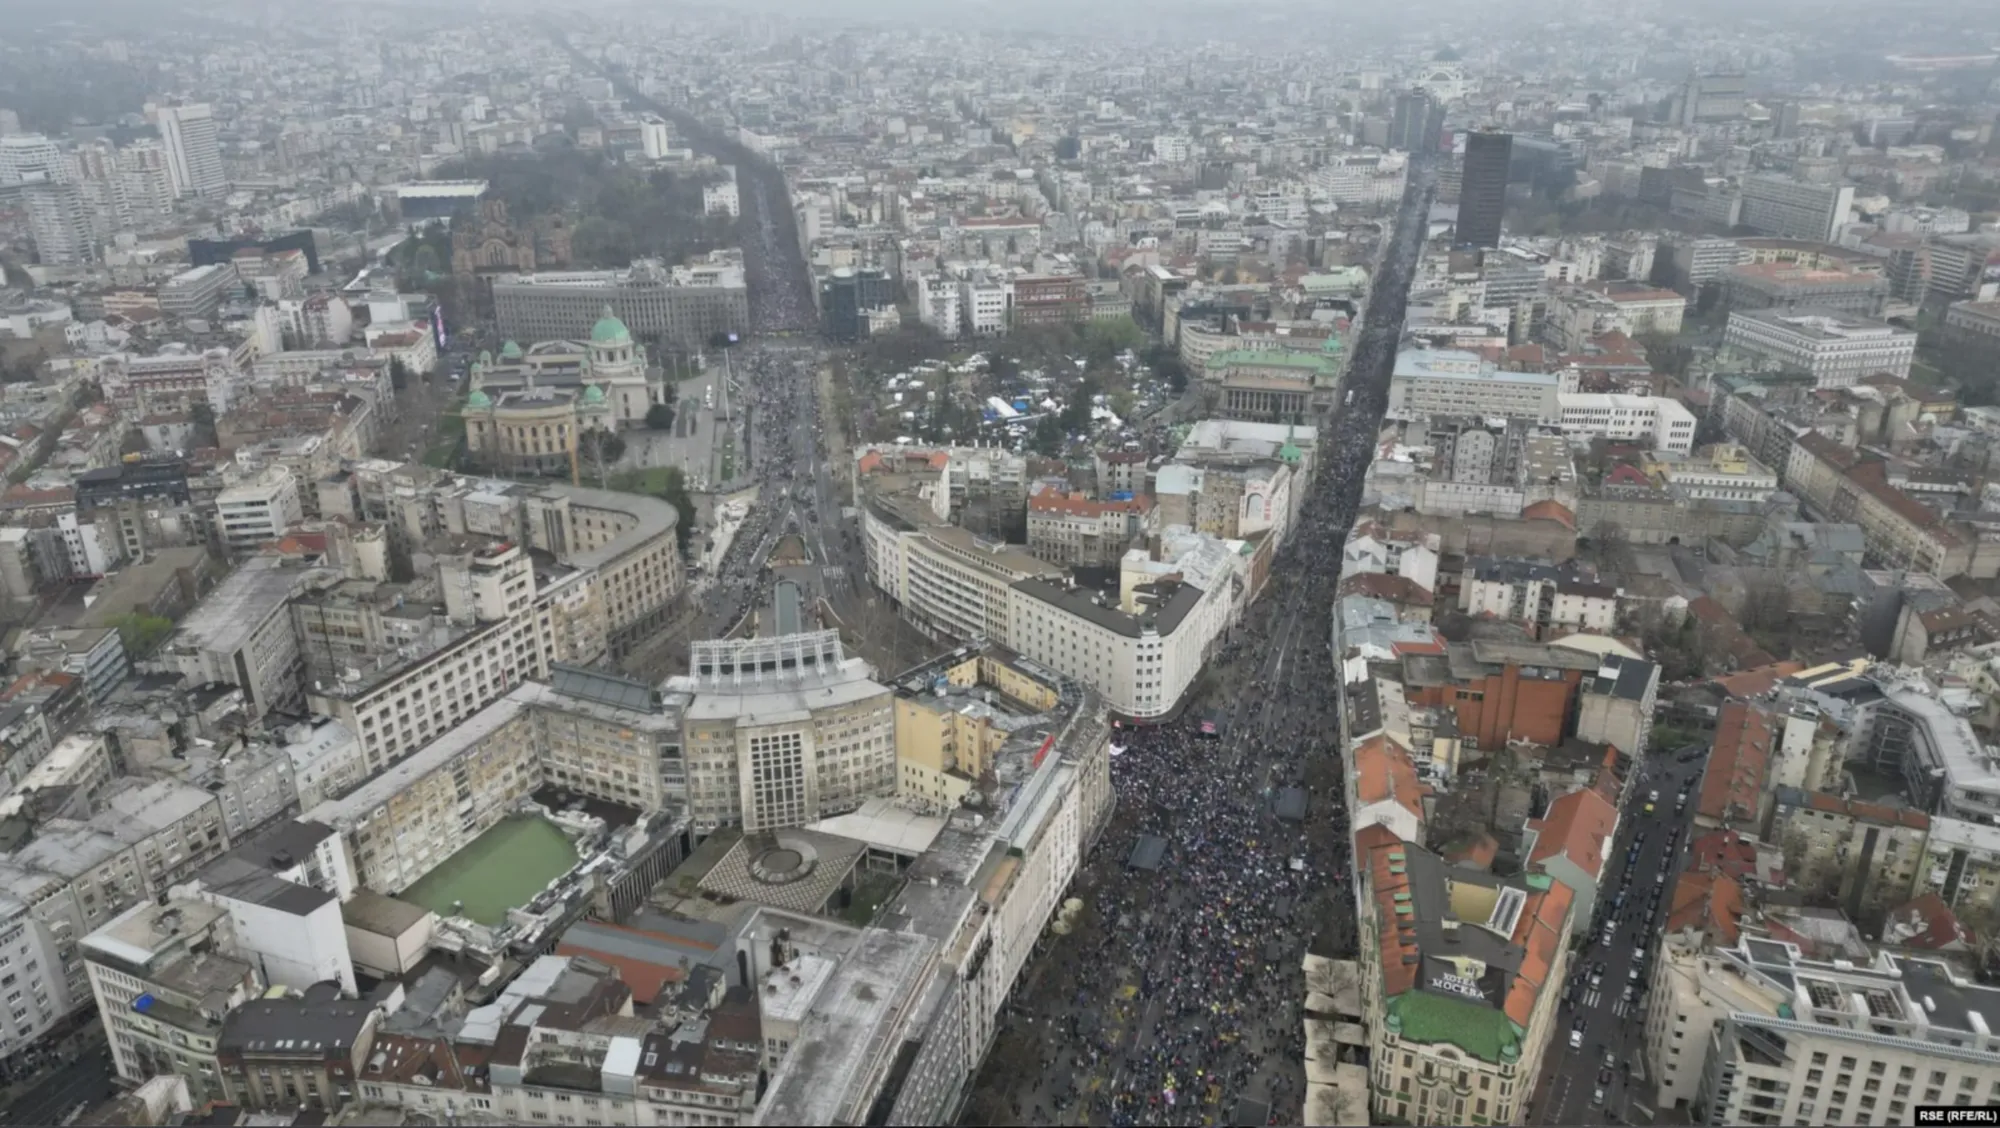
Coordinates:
<point>1609,1015</point>
<point>1640,921</point>
<point>84,1081</point>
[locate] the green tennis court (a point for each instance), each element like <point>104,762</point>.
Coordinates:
<point>501,869</point>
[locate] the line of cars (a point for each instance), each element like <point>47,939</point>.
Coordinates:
<point>1625,907</point>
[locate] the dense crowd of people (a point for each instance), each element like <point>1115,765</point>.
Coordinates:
<point>772,393</point>
<point>1185,1000</point>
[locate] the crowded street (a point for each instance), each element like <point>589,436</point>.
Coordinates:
<point>1182,1004</point>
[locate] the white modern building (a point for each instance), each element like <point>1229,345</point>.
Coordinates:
<point>60,222</point>
<point>282,891</point>
<point>163,977</point>
<point>259,510</point>
<point>1756,1033</point>
<point>1837,349</point>
<point>1795,209</point>
<point>1140,654</point>
<point>1658,421</point>
<point>1452,382</point>
<point>29,157</point>
<point>720,198</point>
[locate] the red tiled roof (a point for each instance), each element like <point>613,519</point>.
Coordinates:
<point>1477,852</point>
<point>1729,635</point>
<point>1384,772</point>
<point>1550,510</point>
<point>1383,585</point>
<point>1757,682</point>
<point>1732,788</point>
<point>1372,846</point>
<point>1539,934</point>
<point>1726,851</point>
<point>1578,826</point>
<point>1930,924</point>
<point>1709,902</point>
<point>1868,812</point>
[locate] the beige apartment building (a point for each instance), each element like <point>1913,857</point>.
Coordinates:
<point>1076,530</point>
<point>1772,1038</point>
<point>783,731</point>
<point>430,805</point>
<point>1865,856</point>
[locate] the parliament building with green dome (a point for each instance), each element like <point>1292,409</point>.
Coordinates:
<point>527,408</point>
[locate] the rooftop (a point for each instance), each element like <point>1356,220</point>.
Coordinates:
<point>1822,325</point>
<point>398,777</point>
<point>857,1019</point>
<point>1162,618</point>
<point>224,621</point>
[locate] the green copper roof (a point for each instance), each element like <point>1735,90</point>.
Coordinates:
<point>593,394</point>
<point>1480,1030</point>
<point>609,330</point>
<point>510,351</point>
<point>1268,358</point>
<point>478,399</point>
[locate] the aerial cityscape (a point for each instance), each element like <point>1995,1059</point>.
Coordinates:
<point>860,563</point>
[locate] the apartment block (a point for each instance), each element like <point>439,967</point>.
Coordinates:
<point>305,1049</point>
<point>1615,704</point>
<point>1961,864</point>
<point>1501,692</point>
<point>162,977</point>
<point>955,715</point>
<point>1141,653</point>
<point>1537,594</point>
<point>1073,530</point>
<point>608,737</point>
<point>1786,286</point>
<point>947,581</point>
<point>1662,423</point>
<point>680,305</point>
<point>1581,311</point>
<point>1862,856</point>
<point>1572,843</point>
<point>1786,206</point>
<point>242,635</point>
<point>427,806</point>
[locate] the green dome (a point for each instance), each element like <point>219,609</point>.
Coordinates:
<point>485,359</point>
<point>478,399</point>
<point>593,394</point>
<point>510,351</point>
<point>609,330</point>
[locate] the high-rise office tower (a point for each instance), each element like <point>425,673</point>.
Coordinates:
<point>194,156</point>
<point>1482,193</point>
<point>1410,122</point>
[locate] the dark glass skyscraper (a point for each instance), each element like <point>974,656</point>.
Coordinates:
<point>1412,124</point>
<point>1482,194</point>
